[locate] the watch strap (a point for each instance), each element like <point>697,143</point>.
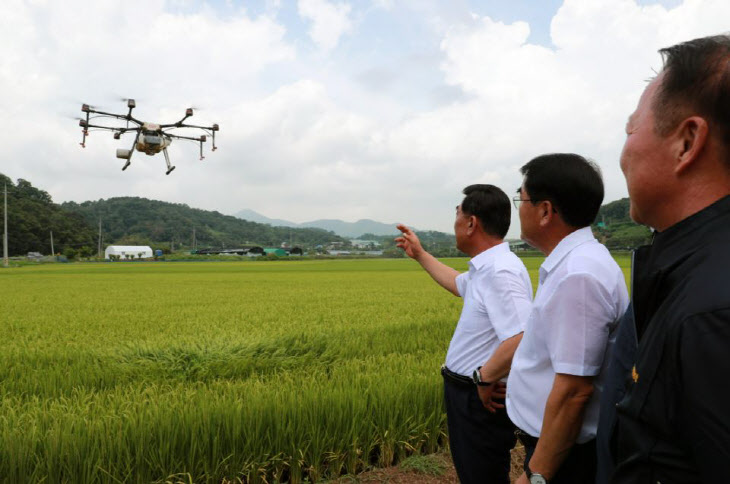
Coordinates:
<point>477,377</point>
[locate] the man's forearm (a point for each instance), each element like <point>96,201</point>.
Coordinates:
<point>444,275</point>
<point>499,364</point>
<point>561,425</point>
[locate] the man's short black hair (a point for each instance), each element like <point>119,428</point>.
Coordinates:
<point>491,206</point>
<point>696,81</point>
<point>571,182</point>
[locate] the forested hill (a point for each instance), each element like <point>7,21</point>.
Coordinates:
<point>616,229</point>
<point>133,220</point>
<point>32,216</point>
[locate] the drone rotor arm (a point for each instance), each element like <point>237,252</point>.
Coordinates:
<point>179,125</point>
<point>177,136</point>
<point>104,113</point>
<point>110,128</point>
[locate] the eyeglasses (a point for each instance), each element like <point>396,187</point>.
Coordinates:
<point>518,201</point>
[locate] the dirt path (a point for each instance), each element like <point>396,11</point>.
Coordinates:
<point>429,469</point>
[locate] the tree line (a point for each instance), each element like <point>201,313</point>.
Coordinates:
<point>614,227</point>
<point>140,221</point>
<point>32,216</point>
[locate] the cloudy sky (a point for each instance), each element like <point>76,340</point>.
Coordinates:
<point>349,109</point>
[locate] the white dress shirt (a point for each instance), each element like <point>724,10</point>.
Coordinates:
<point>497,297</point>
<point>580,297</point>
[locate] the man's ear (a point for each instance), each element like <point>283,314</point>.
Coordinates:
<point>690,139</point>
<point>546,212</point>
<point>472,224</point>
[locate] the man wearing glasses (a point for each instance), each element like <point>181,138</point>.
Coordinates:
<point>557,370</point>
<point>497,297</point>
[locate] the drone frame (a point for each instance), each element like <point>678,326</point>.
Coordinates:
<point>146,129</point>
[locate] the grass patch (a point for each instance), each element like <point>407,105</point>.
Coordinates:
<point>431,465</point>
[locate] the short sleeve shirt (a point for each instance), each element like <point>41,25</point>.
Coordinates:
<point>497,297</point>
<point>580,298</point>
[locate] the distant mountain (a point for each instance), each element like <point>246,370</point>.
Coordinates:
<point>252,216</point>
<point>341,228</point>
<point>353,229</point>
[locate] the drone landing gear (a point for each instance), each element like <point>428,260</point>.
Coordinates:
<point>167,161</point>
<point>127,154</point>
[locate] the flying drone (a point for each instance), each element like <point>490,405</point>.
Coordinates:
<point>150,138</point>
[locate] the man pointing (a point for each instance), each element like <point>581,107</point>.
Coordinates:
<point>497,300</point>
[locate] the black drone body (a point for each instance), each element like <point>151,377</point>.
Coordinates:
<point>150,138</point>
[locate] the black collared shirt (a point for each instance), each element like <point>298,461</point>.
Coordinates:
<point>673,423</point>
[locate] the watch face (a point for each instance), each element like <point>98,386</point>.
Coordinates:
<point>537,479</point>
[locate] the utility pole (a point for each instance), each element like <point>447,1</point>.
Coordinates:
<point>53,252</point>
<point>5,233</point>
<point>195,243</point>
<point>99,252</point>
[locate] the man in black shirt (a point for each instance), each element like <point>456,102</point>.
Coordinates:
<point>665,416</point>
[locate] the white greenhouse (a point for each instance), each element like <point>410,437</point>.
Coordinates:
<point>124,252</point>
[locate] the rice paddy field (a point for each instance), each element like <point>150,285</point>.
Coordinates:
<point>251,371</point>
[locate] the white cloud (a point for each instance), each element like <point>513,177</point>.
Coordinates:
<point>329,21</point>
<point>531,99</point>
<point>301,137</point>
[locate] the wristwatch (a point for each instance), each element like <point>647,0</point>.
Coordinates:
<point>534,477</point>
<point>477,377</point>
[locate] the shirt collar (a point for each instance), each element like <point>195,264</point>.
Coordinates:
<point>564,247</point>
<point>485,257</point>
<point>689,234</point>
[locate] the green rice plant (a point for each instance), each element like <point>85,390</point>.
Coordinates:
<point>220,371</point>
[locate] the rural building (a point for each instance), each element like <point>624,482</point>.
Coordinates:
<point>250,250</point>
<point>128,251</point>
<point>276,251</point>
<point>364,244</point>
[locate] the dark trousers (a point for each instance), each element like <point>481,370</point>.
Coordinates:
<point>480,441</point>
<point>578,468</point>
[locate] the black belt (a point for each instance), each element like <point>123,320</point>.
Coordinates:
<point>526,439</point>
<point>455,377</point>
